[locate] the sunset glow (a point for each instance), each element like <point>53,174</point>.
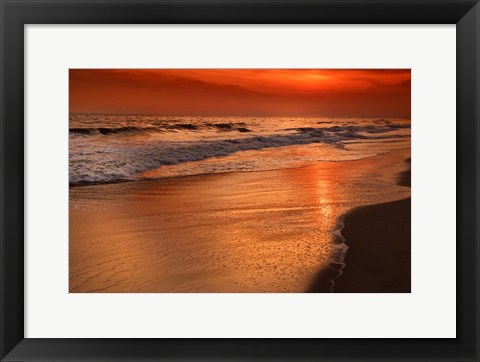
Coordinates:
<point>245,92</point>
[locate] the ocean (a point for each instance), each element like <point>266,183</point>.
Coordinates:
<point>110,148</point>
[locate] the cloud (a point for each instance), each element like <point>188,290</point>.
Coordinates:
<point>241,91</point>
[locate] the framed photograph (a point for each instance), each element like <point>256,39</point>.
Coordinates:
<point>239,180</point>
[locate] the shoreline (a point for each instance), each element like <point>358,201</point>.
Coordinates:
<point>125,181</point>
<point>378,238</point>
<point>381,262</point>
<point>355,268</point>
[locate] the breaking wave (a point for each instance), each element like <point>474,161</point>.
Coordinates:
<point>239,127</point>
<point>106,131</point>
<point>113,161</point>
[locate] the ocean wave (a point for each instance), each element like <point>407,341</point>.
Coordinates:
<point>108,131</point>
<point>99,162</point>
<point>112,131</point>
<point>225,127</point>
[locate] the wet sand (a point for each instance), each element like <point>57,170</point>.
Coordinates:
<point>379,240</point>
<point>268,231</point>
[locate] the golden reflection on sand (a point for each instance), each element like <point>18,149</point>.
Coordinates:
<point>268,231</point>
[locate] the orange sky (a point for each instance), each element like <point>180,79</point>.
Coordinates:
<point>242,92</point>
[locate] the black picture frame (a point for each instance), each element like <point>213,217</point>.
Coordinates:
<point>15,14</point>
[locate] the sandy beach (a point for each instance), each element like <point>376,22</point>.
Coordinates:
<point>379,240</point>
<point>266,231</point>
